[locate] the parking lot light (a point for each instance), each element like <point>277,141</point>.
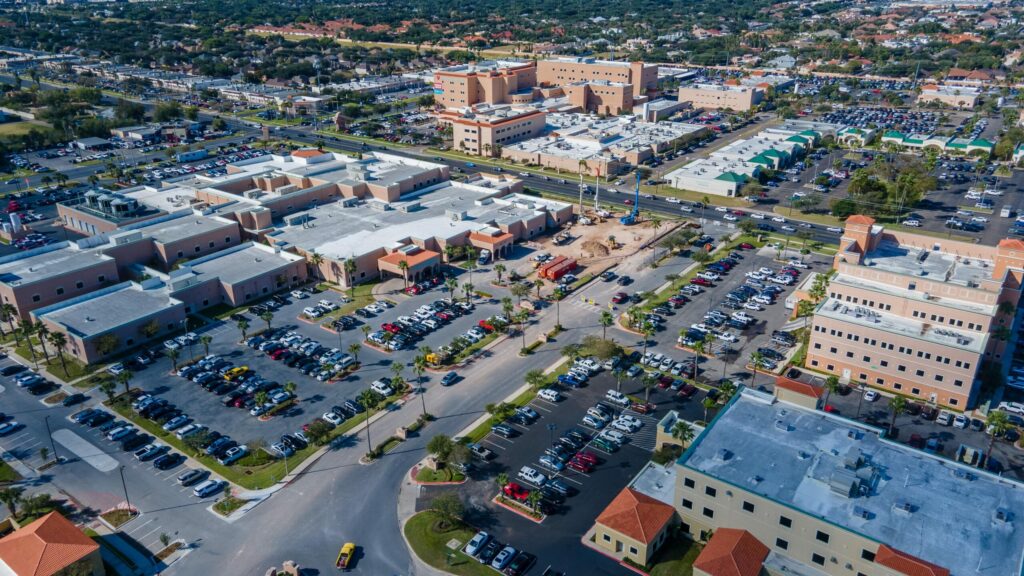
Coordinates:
<point>551,432</point>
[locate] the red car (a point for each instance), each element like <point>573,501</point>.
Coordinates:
<point>516,492</point>
<point>700,282</point>
<point>628,202</point>
<point>620,297</point>
<point>687,391</point>
<point>444,316</point>
<point>579,466</point>
<point>831,409</point>
<point>664,381</point>
<point>413,290</point>
<point>588,457</point>
<point>642,408</point>
<point>746,246</point>
<point>485,325</point>
<point>390,328</point>
<point>738,213</point>
<point>676,301</point>
<point>277,354</point>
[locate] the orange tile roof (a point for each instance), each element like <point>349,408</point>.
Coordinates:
<point>307,153</point>
<point>732,552</point>
<point>492,240</point>
<point>412,259</point>
<point>930,87</point>
<point>799,387</point>
<point>636,515</point>
<point>860,219</point>
<point>906,564</point>
<point>45,546</point>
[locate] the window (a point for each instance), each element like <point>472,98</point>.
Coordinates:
<point>953,401</point>
<point>198,249</point>
<point>606,537</point>
<point>101,278</point>
<point>867,555</point>
<point>880,381</point>
<point>708,512</point>
<point>633,550</point>
<point>227,239</point>
<point>781,544</point>
<point>818,559</point>
<point>897,386</point>
<point>36,298</point>
<point>748,506</point>
<point>867,358</point>
<point>60,291</point>
<point>181,254</point>
<point>833,350</point>
<point>689,483</point>
<point>710,491</point>
<point>920,373</point>
<point>687,504</point>
<point>79,285</point>
<point>938,378</point>
<point>958,383</point>
<point>785,522</point>
<point>822,537</point>
<point>211,244</point>
<point>915,391</point>
<point>884,363</point>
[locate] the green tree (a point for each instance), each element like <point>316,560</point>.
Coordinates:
<point>125,379</point>
<point>205,340</point>
<point>536,379</point>
<point>173,355</point>
<point>42,332</point>
<point>683,431</point>
<point>533,499</point>
<point>649,380</point>
<point>440,447</point>
<point>351,267</point>
<point>520,291</point>
<point>618,373</point>
<point>107,387</point>
<point>467,289</point>
<point>997,424</point>
<point>831,386</point>
<point>267,316</point>
<point>707,403</point>
<point>605,320</point>
<point>404,267</point>
<point>11,498</point>
<point>354,349</point>
<point>319,432</point>
<point>897,406</point>
<point>243,327</point>
<point>499,270</point>
<point>726,390</point>
<point>369,400</point>
<point>59,341</point>
<point>449,509</point>
<point>451,284</point>
<point>501,480</point>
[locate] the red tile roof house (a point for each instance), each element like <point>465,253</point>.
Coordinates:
<point>51,545</point>
<point>633,526</point>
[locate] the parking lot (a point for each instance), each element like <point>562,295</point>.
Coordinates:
<point>554,540</point>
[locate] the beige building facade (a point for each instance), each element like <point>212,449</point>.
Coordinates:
<point>641,78</point>
<point>489,82</point>
<point>484,131</point>
<point>721,96</point>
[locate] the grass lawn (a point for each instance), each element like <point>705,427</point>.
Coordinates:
<point>117,517</point>
<point>361,296</point>
<point>15,129</point>
<point>75,369</point>
<point>430,545</point>
<point>675,558</point>
<point>228,504</point>
<point>823,219</point>
<point>445,474</point>
<point>7,474</point>
<point>691,196</point>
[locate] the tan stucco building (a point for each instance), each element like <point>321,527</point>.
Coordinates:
<point>50,546</point>
<point>641,78</point>
<point>485,130</point>
<point>917,315</point>
<point>959,97</point>
<point>738,98</point>
<point>486,82</point>
<point>633,526</point>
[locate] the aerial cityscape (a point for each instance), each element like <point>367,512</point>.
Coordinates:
<point>511,287</point>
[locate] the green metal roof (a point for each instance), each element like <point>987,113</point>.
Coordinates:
<point>796,138</point>
<point>893,134</point>
<point>981,142</point>
<point>732,177</point>
<point>762,159</point>
<point>773,153</point>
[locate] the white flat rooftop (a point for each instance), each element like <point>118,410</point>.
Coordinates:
<point>923,505</point>
<point>932,265</point>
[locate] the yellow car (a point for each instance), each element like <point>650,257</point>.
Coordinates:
<point>345,555</point>
<point>236,372</point>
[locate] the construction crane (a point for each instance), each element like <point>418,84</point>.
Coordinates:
<point>630,219</point>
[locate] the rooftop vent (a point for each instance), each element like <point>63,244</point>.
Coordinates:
<point>860,512</point>
<point>755,480</point>
<point>723,454</point>
<point>783,426</point>
<point>903,508</point>
<point>1002,516</point>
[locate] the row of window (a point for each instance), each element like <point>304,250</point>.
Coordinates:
<point>879,381</point>
<point>890,346</point>
<point>78,286</point>
<point>885,363</point>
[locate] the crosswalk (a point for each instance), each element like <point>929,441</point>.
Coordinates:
<point>645,437</point>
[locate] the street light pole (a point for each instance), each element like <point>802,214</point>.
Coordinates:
<point>423,401</point>
<point>125,486</point>
<point>551,432</point>
<point>53,446</point>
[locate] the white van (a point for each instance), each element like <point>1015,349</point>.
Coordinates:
<point>207,488</point>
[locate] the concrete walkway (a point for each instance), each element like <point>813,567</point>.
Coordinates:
<point>408,493</point>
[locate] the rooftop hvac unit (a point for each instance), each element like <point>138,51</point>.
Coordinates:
<point>903,507</point>
<point>456,215</point>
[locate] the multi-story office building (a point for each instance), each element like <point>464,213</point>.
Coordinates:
<point>642,78</point>
<point>952,96</point>
<point>780,488</point>
<point>721,96</point>
<point>917,315</point>
<point>487,82</point>
<point>485,129</point>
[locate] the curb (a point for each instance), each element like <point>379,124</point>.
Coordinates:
<point>514,510</point>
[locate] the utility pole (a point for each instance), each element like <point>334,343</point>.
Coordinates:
<point>49,434</point>
<point>125,486</point>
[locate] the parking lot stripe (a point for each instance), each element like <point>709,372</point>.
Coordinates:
<point>498,446</point>
<point>136,528</point>
<point>564,477</point>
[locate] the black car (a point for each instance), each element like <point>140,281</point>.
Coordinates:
<point>168,461</point>
<point>76,398</point>
<point>552,495</point>
<point>503,430</point>
<point>524,561</point>
<point>518,418</point>
<point>353,407</point>
<point>489,551</point>
<point>293,442</point>
<point>41,388</point>
<point>578,436</point>
<point>83,416</point>
<point>99,419</point>
<point>12,370</point>
<point>135,441</point>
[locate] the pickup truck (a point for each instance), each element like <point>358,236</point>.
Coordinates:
<point>345,556</point>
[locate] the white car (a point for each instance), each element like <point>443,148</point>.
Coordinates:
<point>778,219</point>
<point>327,304</point>
<point>299,294</point>
<point>382,387</point>
<point>757,215</point>
<point>797,264</point>
<point>627,423</point>
<point>728,337</point>
<point>755,275</point>
<point>979,219</point>
<point>870,395</point>
<point>332,418</point>
<point>789,228</point>
<point>549,394</point>
<point>753,306</point>
<point>961,422</point>
<point>613,436</point>
<point>312,312</point>
<point>672,200</point>
<point>729,218</point>
<point>686,208</point>
<point>834,229</point>
<point>721,209</point>
<point>532,475</point>
<point>1011,407</point>
<point>617,397</point>
<point>912,222</point>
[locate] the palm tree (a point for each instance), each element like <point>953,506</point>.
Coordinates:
<point>267,316</point>
<point>354,349</point>
<point>618,373</point>
<point>396,369</point>
<point>683,431</point>
<point>404,267</point>
<point>572,351</point>
<point>831,385</point>
<point>368,400</point>
<point>124,379</point>
<point>205,340</point>
<point>59,341</point>
<point>506,306</point>
<point>538,284</point>
<point>243,326</point>
<point>289,387</point>
<point>7,313</point>
<point>755,360</point>
<point>605,320</point>
<point>707,403</point>
<point>997,424</point>
<point>655,224</point>
<point>533,499</point>
<point>467,289</point>
<point>502,480</point>
<point>726,390</point>
<point>316,259</point>
<point>523,317</point>
<point>897,405</point>
<point>470,261</point>
<point>11,497</point>
<point>173,355</point>
<point>520,291</point>
<point>499,269</point>
<point>861,387</point>
<point>350,272</point>
<point>649,380</point>
<point>647,330</point>
<point>365,329</point>
<point>42,332</point>
<point>27,327</point>
<point>535,379</point>
<point>451,284</point>
<point>698,351</point>
<point>260,397</point>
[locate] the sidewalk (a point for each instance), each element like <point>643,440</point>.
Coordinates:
<point>408,492</point>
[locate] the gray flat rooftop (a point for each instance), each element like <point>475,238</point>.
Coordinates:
<point>48,264</point>
<point>238,265</point>
<point>97,314</point>
<point>184,227</point>
<point>932,508</point>
<point>916,295</point>
<point>658,482</point>
<point>937,265</point>
<point>902,326</point>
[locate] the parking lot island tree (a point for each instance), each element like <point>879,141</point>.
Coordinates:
<point>897,406</point>
<point>467,290</point>
<point>205,340</point>
<point>618,373</point>
<point>997,423</point>
<point>107,387</point>
<point>520,291</point>
<point>449,509</point>
<point>605,320</point>
<point>451,284</point>
<point>354,349</point>
<point>267,316</point>
<point>59,341</point>
<point>707,403</point>
<point>173,355</point>
<point>319,431</point>
<point>499,271</point>
<point>125,379</point>
<point>369,400</point>
<point>726,390</point>
<point>243,327</point>
<point>649,380</point>
<point>756,358</point>
<point>501,480</point>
